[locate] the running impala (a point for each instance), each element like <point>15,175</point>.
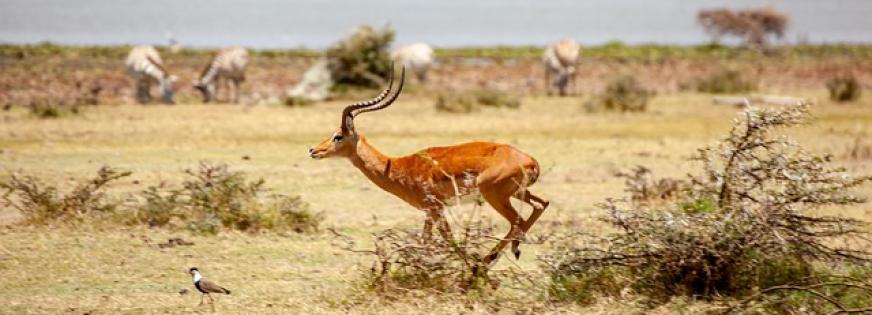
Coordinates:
<point>432,177</point>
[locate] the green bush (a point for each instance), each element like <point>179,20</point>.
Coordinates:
<point>844,88</point>
<point>362,59</point>
<point>726,81</point>
<point>622,94</point>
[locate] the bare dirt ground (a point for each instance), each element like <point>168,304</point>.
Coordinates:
<point>23,78</point>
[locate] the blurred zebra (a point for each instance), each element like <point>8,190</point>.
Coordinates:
<point>145,66</point>
<point>560,59</point>
<point>416,57</point>
<point>228,64</point>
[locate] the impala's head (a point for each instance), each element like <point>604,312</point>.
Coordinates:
<point>343,142</point>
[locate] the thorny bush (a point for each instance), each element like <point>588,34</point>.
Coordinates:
<point>407,261</point>
<point>744,223</point>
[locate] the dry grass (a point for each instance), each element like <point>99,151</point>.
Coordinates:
<point>112,269</point>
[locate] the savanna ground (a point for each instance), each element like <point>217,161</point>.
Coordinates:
<point>81,268</point>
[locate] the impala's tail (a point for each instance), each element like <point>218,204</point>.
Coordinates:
<point>531,173</point>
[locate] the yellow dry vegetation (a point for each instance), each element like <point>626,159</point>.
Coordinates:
<point>110,269</point>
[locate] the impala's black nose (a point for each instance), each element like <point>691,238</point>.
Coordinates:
<point>311,150</point>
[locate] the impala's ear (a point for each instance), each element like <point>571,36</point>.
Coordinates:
<point>348,125</point>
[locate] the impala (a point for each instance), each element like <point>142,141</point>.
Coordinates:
<point>430,178</point>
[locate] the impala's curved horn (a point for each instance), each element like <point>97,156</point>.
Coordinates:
<point>390,100</point>
<point>348,112</point>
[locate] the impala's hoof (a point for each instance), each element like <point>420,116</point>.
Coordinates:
<point>490,258</point>
<point>517,253</point>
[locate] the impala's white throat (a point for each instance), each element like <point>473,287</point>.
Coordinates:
<point>197,276</point>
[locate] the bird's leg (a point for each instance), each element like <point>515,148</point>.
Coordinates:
<point>201,299</point>
<point>211,300</point>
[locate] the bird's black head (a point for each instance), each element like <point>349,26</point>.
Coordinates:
<point>193,269</point>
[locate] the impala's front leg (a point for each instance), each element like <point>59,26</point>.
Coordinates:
<point>436,216</point>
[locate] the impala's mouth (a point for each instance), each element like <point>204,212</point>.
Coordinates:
<point>316,155</point>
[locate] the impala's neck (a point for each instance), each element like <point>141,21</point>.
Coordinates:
<point>372,163</point>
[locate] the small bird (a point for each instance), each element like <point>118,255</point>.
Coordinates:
<point>205,286</point>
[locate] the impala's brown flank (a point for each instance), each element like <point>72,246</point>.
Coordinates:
<point>426,179</point>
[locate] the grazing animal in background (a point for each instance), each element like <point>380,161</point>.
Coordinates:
<point>205,286</point>
<point>433,177</point>
<point>560,59</point>
<point>416,57</point>
<point>228,64</point>
<point>145,66</point>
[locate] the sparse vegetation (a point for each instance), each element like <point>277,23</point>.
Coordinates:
<point>214,198</point>
<point>407,263</point>
<point>472,101</point>
<point>844,88</point>
<point>622,94</point>
<point>726,81</point>
<point>496,98</point>
<point>42,203</point>
<point>754,26</point>
<point>362,59</point>
<point>81,269</point>
<point>743,225</point>
<point>643,188</point>
<point>859,149</point>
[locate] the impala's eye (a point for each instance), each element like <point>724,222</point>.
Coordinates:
<point>337,138</point>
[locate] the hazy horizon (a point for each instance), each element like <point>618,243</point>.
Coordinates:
<point>451,23</point>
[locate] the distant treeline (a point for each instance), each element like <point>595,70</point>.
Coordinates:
<point>608,50</point>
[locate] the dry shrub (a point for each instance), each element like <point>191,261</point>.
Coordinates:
<point>726,81</point>
<point>456,103</point>
<point>41,203</point>
<point>643,188</point>
<point>743,224</point>
<point>622,94</point>
<point>408,262</point>
<point>472,101</point>
<point>844,88</point>
<point>859,149</point>
<point>52,93</point>
<point>496,98</point>
<point>362,59</point>
<point>215,198</point>
<point>753,25</point>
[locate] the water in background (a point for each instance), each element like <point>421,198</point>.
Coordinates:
<point>317,23</point>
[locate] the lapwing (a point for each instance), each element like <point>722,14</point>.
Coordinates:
<point>205,286</point>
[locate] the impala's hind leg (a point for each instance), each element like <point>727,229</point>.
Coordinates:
<point>500,201</point>
<point>538,205</point>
